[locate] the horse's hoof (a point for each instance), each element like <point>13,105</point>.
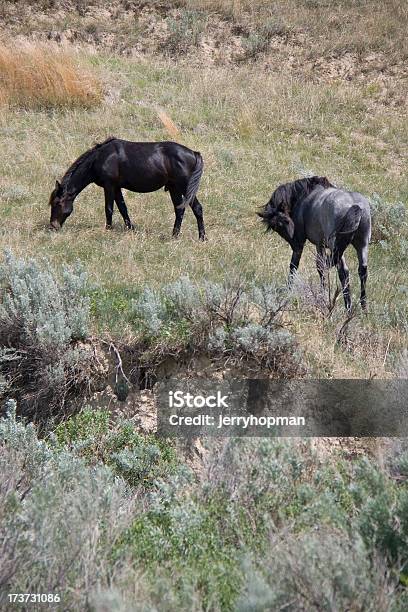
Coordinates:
<point>108,227</point>
<point>203,238</point>
<point>130,227</point>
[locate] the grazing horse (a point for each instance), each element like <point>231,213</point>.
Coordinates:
<point>313,209</point>
<point>137,166</point>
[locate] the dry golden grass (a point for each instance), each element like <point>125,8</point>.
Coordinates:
<point>36,75</point>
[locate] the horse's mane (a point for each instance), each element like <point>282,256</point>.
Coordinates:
<point>286,196</point>
<point>86,157</point>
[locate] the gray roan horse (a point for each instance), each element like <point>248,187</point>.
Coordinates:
<point>138,166</point>
<point>313,209</point>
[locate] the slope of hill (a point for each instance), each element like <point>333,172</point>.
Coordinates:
<point>102,512</point>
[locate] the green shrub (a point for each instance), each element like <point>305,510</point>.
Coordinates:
<point>137,458</point>
<point>44,320</point>
<point>110,308</point>
<point>59,517</point>
<point>189,538</point>
<point>222,320</point>
<point>390,227</point>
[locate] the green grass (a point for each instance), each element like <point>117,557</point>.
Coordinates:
<point>254,130</point>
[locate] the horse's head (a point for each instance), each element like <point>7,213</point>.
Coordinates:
<point>278,221</point>
<point>276,214</point>
<point>61,206</point>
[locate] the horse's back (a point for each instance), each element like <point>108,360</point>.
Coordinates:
<point>142,166</point>
<point>325,210</point>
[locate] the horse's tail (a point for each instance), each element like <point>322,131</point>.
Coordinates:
<point>194,180</point>
<point>349,223</point>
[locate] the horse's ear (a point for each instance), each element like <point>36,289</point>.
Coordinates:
<point>324,181</point>
<point>57,185</point>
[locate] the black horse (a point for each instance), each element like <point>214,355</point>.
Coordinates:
<point>137,166</point>
<point>313,209</point>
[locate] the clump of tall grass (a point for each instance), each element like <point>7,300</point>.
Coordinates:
<point>34,75</point>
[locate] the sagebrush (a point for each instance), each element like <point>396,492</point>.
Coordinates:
<point>44,322</point>
<point>233,322</point>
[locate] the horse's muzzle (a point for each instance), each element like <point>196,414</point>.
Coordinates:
<point>54,226</point>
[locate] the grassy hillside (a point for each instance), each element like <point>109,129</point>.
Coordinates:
<point>255,129</point>
<point>94,507</point>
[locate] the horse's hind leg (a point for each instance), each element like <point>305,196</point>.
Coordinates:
<point>321,265</point>
<point>344,277</point>
<point>120,202</point>
<point>362,272</point>
<point>198,213</point>
<point>177,199</point>
<point>109,199</point>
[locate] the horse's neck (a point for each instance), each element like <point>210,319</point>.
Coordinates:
<point>80,178</point>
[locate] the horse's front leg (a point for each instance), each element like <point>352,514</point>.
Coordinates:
<point>120,202</point>
<point>294,264</point>
<point>344,277</point>
<point>109,199</point>
<point>363,273</point>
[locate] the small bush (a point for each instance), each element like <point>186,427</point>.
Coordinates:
<point>43,323</point>
<point>150,310</point>
<point>321,570</point>
<point>184,31</point>
<point>59,517</point>
<point>390,227</point>
<point>34,75</point>
<point>138,459</point>
<point>226,321</point>
<point>257,42</point>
